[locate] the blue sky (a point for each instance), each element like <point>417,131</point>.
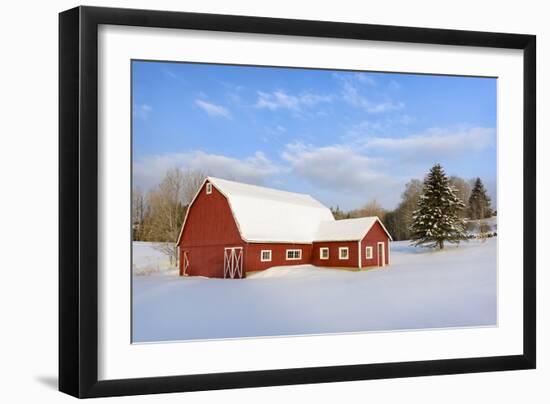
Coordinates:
<point>343,137</point>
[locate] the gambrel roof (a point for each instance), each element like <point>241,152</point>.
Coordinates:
<point>267,215</point>
<point>270,215</point>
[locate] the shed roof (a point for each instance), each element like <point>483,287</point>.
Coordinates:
<point>347,229</point>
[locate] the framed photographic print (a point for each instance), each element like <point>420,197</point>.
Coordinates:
<point>250,201</point>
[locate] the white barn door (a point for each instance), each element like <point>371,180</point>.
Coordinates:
<point>233,262</point>
<point>185,262</point>
<point>381,254</point>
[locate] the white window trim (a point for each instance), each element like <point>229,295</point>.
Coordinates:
<point>208,188</point>
<point>262,259</point>
<point>369,252</point>
<point>321,253</point>
<point>294,259</point>
<point>340,249</point>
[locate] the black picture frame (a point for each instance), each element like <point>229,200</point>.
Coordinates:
<point>78,201</point>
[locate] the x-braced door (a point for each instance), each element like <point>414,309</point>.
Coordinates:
<point>185,263</point>
<point>233,262</point>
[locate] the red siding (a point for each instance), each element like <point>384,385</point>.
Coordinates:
<point>209,228</point>
<point>375,235</point>
<point>278,255</point>
<point>333,260</point>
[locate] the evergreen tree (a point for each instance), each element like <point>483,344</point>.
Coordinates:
<point>479,204</point>
<point>436,218</point>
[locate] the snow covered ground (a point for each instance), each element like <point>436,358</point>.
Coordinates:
<point>455,287</point>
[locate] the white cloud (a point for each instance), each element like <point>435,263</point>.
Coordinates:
<point>370,167</point>
<point>142,111</point>
<point>355,85</point>
<point>282,100</point>
<point>254,169</point>
<point>435,143</point>
<point>335,166</point>
<point>365,128</point>
<point>359,77</point>
<point>169,73</point>
<point>352,95</point>
<point>378,167</point>
<point>213,110</point>
<point>394,85</point>
<point>353,176</point>
<point>365,78</point>
<point>386,125</point>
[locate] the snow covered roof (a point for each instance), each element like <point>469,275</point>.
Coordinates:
<point>271,215</point>
<point>345,230</point>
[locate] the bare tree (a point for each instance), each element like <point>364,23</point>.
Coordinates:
<point>139,207</point>
<point>484,230</point>
<point>167,206</point>
<point>192,180</point>
<point>463,191</point>
<point>401,217</point>
<point>169,249</point>
<point>372,208</point>
<point>167,212</point>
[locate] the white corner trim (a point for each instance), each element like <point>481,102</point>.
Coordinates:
<point>188,209</point>
<point>359,253</point>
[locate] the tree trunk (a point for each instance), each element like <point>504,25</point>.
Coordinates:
<point>440,242</point>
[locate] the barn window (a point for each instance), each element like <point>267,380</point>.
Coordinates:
<point>208,188</point>
<point>265,255</point>
<point>343,253</point>
<point>323,253</point>
<point>368,253</point>
<point>293,254</point>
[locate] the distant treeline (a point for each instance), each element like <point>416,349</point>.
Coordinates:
<point>158,214</point>
<point>477,205</point>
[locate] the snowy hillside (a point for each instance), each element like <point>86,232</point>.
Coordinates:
<point>490,225</point>
<point>146,259</point>
<point>455,287</point>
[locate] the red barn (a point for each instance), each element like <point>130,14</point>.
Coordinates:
<point>233,228</point>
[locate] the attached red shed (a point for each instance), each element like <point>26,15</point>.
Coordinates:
<point>352,243</point>
<point>232,228</point>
